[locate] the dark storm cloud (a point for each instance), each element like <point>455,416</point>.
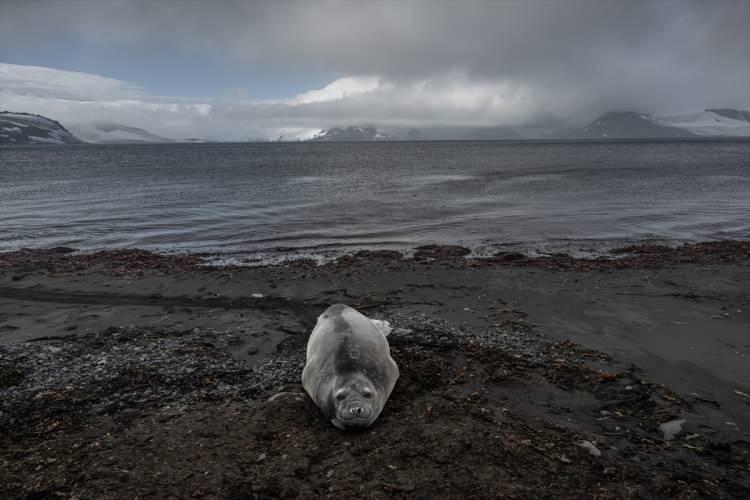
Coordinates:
<point>556,58</point>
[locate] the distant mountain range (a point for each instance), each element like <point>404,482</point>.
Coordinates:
<point>113,133</point>
<point>26,128</point>
<point>352,134</point>
<point>611,125</point>
<point>23,128</point>
<point>629,125</point>
<point>712,122</point>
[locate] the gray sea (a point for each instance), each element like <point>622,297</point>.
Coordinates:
<point>250,201</point>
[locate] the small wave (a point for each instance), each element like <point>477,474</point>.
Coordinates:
<point>524,179</point>
<point>309,179</point>
<point>325,253</point>
<point>437,178</point>
<point>729,178</point>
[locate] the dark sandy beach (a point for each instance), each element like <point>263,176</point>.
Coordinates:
<point>126,374</point>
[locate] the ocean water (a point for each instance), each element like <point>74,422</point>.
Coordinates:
<point>262,201</point>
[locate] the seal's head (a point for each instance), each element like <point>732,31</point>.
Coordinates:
<point>354,402</point>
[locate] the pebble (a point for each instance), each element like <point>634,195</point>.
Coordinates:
<point>593,450</point>
<point>672,428</point>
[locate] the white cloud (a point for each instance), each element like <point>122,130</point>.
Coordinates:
<point>341,89</point>
<point>37,81</point>
<point>76,98</point>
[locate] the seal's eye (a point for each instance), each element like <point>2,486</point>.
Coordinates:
<point>340,396</point>
<point>367,394</point>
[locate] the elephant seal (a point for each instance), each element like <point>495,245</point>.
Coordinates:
<point>349,371</point>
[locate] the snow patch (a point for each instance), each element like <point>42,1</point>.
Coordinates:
<point>114,133</point>
<point>706,123</point>
<point>46,140</point>
<point>297,134</point>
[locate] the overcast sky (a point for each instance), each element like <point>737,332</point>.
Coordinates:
<point>226,69</point>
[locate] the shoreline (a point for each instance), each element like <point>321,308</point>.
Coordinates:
<point>128,373</point>
<point>631,255</point>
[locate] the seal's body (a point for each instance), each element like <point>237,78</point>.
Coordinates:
<point>349,371</point>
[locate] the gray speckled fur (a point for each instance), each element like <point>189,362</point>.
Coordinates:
<point>345,347</point>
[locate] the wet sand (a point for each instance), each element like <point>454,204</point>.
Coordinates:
<point>129,374</point>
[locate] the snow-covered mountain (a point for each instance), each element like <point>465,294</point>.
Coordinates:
<point>352,134</point>
<point>708,123</point>
<point>298,134</point>
<point>610,125</point>
<point>24,128</point>
<point>114,133</point>
<point>711,122</point>
<point>629,125</point>
<point>734,114</point>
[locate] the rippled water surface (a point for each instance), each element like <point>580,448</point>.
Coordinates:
<point>316,198</point>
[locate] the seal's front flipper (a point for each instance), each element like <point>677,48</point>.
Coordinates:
<point>382,325</point>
